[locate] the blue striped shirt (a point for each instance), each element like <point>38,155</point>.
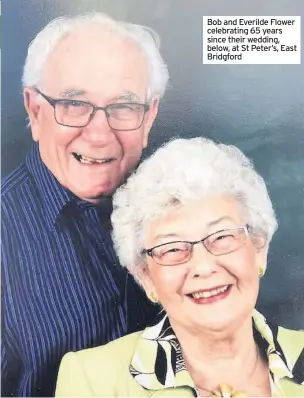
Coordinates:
<point>62,287</point>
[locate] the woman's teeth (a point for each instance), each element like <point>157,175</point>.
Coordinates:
<point>209,293</point>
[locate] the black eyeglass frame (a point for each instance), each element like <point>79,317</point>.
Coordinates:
<point>149,252</point>
<point>54,101</point>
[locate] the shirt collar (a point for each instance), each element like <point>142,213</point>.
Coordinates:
<point>54,196</point>
<point>158,362</point>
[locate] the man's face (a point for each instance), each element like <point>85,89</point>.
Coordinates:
<point>99,67</point>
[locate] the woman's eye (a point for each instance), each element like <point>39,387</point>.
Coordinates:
<point>221,237</point>
<point>173,250</point>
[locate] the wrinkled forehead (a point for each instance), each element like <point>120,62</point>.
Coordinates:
<point>96,59</point>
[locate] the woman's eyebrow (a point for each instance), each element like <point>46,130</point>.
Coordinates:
<point>170,235</point>
<point>218,220</point>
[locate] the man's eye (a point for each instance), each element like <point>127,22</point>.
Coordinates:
<point>125,107</point>
<point>69,103</point>
<point>76,103</point>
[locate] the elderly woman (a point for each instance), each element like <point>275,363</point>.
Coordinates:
<point>193,225</point>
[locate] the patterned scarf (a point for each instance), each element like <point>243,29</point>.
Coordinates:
<point>158,362</point>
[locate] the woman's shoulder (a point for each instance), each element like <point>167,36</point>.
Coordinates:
<point>291,336</point>
<point>124,347</point>
<point>98,371</point>
<point>285,344</point>
<point>291,345</point>
<point>291,342</point>
<point>290,339</point>
<point>288,333</point>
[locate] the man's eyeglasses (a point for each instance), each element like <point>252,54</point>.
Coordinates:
<point>219,243</point>
<point>75,113</point>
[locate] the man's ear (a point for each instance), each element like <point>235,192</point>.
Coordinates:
<point>32,106</point>
<point>151,115</point>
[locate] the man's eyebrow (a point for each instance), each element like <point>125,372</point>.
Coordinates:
<point>72,93</point>
<point>128,97</point>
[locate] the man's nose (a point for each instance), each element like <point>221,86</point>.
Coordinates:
<point>98,129</point>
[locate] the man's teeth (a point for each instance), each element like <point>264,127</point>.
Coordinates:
<point>86,159</point>
<point>210,293</point>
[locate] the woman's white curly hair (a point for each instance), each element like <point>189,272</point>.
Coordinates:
<point>179,172</point>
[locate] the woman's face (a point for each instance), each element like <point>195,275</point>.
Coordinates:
<point>225,287</point>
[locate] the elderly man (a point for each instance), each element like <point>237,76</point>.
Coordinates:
<point>91,90</point>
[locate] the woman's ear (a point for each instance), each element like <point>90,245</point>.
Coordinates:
<point>143,277</point>
<point>261,255</point>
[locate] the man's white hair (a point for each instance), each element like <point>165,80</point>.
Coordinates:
<point>179,172</point>
<point>49,37</point>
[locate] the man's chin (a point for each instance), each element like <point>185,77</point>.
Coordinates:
<point>95,197</point>
<point>95,194</point>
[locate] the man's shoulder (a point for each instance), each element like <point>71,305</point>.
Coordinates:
<point>13,183</point>
<point>19,196</point>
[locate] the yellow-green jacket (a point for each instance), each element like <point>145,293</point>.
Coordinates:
<point>149,364</point>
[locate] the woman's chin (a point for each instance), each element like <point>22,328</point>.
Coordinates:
<point>221,322</point>
<point>215,324</point>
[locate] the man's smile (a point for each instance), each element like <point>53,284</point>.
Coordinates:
<point>90,160</point>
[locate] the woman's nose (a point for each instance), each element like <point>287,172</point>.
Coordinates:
<point>202,263</point>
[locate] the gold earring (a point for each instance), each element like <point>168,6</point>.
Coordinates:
<point>154,298</point>
<point>261,271</point>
